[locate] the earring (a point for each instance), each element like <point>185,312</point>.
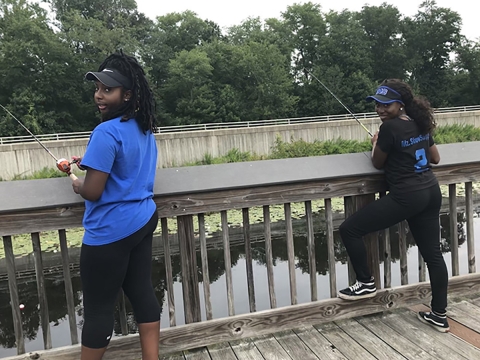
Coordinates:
<point>401,109</point>
<point>126,99</point>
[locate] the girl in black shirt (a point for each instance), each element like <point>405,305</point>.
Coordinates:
<point>404,148</point>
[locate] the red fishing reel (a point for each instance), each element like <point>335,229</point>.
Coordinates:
<point>65,166</point>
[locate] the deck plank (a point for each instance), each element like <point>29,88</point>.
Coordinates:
<point>177,356</point>
<point>343,342</point>
<point>246,350</point>
<point>456,329</point>
<point>408,348</point>
<point>475,301</point>
<point>270,348</point>
<point>419,333</point>
<point>318,344</point>
<point>456,344</point>
<point>222,351</point>
<point>396,334</point>
<point>465,313</point>
<point>197,354</point>
<point>369,340</point>
<point>294,346</point>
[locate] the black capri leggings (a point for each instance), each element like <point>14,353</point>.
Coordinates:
<point>421,209</point>
<point>125,264</point>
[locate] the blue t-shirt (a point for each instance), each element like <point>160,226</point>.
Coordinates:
<point>121,149</point>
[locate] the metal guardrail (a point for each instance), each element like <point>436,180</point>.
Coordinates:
<point>225,125</point>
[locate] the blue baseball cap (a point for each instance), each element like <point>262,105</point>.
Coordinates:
<point>385,95</point>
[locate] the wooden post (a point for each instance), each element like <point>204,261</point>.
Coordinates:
<point>72,320</point>
<point>228,263</point>
<point>312,265</point>
<point>15,303</point>
<point>452,197</point>
<point>42,294</point>
<point>470,234</point>
<point>188,259</point>
<point>168,271</point>
<point>371,242</point>
<point>349,206</point>
<point>290,253</point>
<point>249,259</point>
<point>205,274</point>
<point>122,312</point>
<point>402,243</point>
<point>330,247</point>
<point>268,256</point>
<point>387,255</point>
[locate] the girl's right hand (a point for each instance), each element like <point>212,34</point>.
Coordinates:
<point>77,160</point>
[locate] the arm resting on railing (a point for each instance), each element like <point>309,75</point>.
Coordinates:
<point>434,154</point>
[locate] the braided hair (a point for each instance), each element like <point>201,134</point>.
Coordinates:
<point>141,106</point>
<point>417,107</point>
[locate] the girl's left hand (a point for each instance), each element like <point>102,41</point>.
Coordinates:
<point>374,138</point>
<point>77,185</point>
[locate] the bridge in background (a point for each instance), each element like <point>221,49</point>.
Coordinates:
<point>183,147</point>
<point>225,125</point>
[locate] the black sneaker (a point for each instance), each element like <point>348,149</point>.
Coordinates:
<point>438,322</point>
<point>358,291</point>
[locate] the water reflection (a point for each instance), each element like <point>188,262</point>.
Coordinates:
<point>56,292</point>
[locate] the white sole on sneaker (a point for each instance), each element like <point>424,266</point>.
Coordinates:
<point>356,297</point>
<point>438,328</point>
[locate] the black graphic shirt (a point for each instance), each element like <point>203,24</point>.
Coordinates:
<point>407,167</point>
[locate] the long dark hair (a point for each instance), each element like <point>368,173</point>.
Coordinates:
<point>141,106</point>
<point>417,107</point>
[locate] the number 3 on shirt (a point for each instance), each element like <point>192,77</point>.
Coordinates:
<point>421,158</point>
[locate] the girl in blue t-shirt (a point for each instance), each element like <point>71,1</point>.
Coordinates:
<point>404,149</point>
<point>120,214</point>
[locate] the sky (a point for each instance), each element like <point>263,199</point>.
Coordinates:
<point>227,13</point>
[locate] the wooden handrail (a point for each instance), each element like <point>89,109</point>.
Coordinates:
<point>187,194</point>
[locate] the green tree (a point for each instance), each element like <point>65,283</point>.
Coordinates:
<point>92,30</point>
<point>171,34</point>
<point>382,24</point>
<point>36,81</point>
<point>254,78</point>
<point>465,85</point>
<point>431,36</point>
<point>187,93</point>
<point>305,29</point>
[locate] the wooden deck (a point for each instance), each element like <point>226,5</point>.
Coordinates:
<point>391,335</point>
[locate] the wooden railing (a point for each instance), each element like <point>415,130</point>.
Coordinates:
<point>190,194</point>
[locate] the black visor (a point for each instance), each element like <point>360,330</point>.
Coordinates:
<point>385,95</point>
<point>110,78</point>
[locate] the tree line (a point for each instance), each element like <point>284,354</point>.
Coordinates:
<point>201,73</point>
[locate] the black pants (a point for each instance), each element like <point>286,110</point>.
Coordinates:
<point>125,264</point>
<point>421,209</point>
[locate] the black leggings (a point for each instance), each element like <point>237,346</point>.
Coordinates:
<point>104,270</point>
<point>421,209</point>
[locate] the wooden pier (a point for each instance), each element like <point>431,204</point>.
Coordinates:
<point>318,329</point>
<point>393,335</point>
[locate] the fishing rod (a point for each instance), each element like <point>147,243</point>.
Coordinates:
<point>346,108</point>
<point>62,164</point>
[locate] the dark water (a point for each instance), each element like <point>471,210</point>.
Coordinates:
<point>56,291</point>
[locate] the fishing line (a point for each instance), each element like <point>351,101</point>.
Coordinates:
<point>346,108</point>
<point>62,164</point>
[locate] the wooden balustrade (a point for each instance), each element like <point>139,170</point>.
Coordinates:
<point>188,195</point>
